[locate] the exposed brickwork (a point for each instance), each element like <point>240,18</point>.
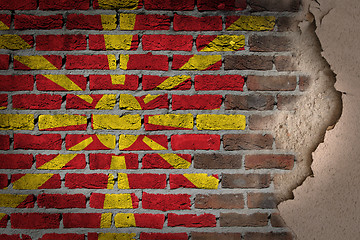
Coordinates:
<point>159,131</point>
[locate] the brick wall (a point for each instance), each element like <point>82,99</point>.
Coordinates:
<point>144,120</point>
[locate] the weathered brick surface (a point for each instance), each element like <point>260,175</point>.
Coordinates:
<point>161,116</point>
<point>217,201</point>
<point>22,22</point>
<point>245,181</point>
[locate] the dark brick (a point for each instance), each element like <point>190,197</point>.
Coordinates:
<point>243,220</point>
<point>250,62</point>
<point>245,180</point>
<point>258,102</point>
<point>276,220</point>
<point>219,201</point>
<point>268,236</point>
<point>304,83</point>
<point>215,236</point>
<point>262,200</point>
<point>285,63</point>
<point>269,43</point>
<point>287,102</point>
<point>287,24</point>
<point>217,161</point>
<point>247,141</point>
<point>275,5</point>
<point>259,122</point>
<point>271,83</point>
<point>268,161</point>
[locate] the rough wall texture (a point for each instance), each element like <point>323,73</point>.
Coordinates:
<point>326,205</point>
<point>156,119</point>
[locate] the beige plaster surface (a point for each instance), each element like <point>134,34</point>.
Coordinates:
<point>326,205</point>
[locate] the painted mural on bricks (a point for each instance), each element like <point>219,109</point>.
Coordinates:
<point>132,119</point>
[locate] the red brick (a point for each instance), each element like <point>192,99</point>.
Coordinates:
<point>45,84</point>
<point>152,161</point>
<point>38,142</point>
<point>190,23</point>
<point>217,161</point>
<point>161,101</point>
<point>89,181</point>
<point>195,142</point>
<point>166,202</point>
<point>82,220</point>
<point>180,181</point>
<point>76,102</point>
<point>64,4</point>
<point>116,5</point>
<point>61,201</point>
<point>97,42</point>
<point>16,83</point>
<point>4,181</point>
<point>146,181</point>
<point>23,22</point>
<point>81,21</point>
<point>4,61</point>
<point>55,60</point>
<point>277,221</point>
<point>14,237</point>
<point>259,102</point>
<point>4,221</point>
<point>248,62</point>
<point>16,161</point>
<point>197,102</point>
<point>269,161</point>
<point>37,102</point>
<point>174,5</point>
<point>78,162</point>
<point>268,236</point>
<point>97,200</point>
<point>18,5</point>
<point>219,201</point>
<point>151,82</point>
<point>87,62</point>
<point>191,220</point>
<point>245,180</point>
<point>53,182</point>
<point>219,82</point>
<point>274,5</point>
<point>213,5</point>
<point>6,20</point>
<point>271,83</point>
<point>262,200</point>
<point>139,143</point>
<point>150,22</point>
<point>180,60</point>
<point>167,42</point>
<point>163,236</point>
<point>103,160</point>
<point>103,82</point>
<point>96,144</point>
<point>247,141</point>
<point>146,220</point>
<point>215,236</point>
<point>61,42</point>
<point>4,142</point>
<point>243,220</point>
<point>35,220</point>
<point>3,104</point>
<point>147,62</point>
<point>62,236</point>
<point>269,43</point>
